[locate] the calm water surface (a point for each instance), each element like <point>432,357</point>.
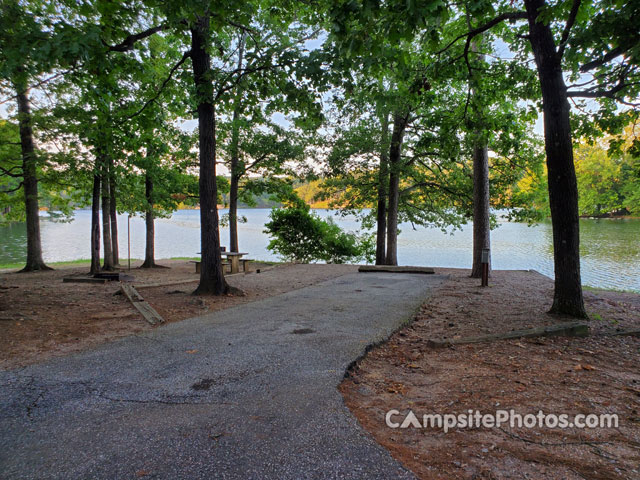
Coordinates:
<point>610,248</point>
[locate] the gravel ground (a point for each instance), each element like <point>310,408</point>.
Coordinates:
<point>42,317</point>
<point>248,392</point>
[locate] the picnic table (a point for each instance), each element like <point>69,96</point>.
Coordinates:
<point>233,259</point>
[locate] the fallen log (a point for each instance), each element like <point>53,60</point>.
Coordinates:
<point>568,329</point>
<point>394,269</point>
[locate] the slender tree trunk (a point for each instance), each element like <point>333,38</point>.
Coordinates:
<point>383,182</point>
<point>106,213</point>
<point>149,221</point>
<point>395,153</point>
<point>236,170</point>
<point>563,188</point>
<point>95,225</point>
<point>233,213</point>
<point>211,276</point>
<point>30,185</point>
<point>481,195</point>
<point>113,215</point>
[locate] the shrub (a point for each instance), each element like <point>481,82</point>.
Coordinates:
<point>300,236</point>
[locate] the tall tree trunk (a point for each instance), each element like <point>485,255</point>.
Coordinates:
<point>211,276</point>
<point>113,215</point>
<point>395,153</point>
<point>481,195</point>
<point>481,223</point>
<point>106,213</point>
<point>236,170</point>
<point>30,185</point>
<point>149,221</point>
<point>95,225</point>
<point>563,188</point>
<point>383,182</point>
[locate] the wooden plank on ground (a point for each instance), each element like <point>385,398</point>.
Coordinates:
<point>394,269</point>
<point>166,284</point>
<point>147,311</point>
<point>567,329</point>
<point>131,293</point>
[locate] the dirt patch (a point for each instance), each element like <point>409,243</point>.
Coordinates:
<point>598,374</point>
<point>40,316</point>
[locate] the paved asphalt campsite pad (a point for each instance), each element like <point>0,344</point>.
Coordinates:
<point>247,392</point>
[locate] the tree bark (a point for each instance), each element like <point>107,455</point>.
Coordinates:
<point>106,212</point>
<point>149,221</point>
<point>395,152</point>
<point>233,212</point>
<point>383,182</point>
<point>481,223</point>
<point>481,195</point>
<point>235,167</point>
<point>30,185</point>
<point>113,215</point>
<point>211,276</point>
<point>563,188</point>
<point>95,225</point>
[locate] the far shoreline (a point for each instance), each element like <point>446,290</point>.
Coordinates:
<point>135,262</point>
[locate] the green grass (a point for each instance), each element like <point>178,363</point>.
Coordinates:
<point>4,266</point>
<point>86,261</point>
<point>68,263</point>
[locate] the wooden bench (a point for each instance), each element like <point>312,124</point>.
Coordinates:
<point>245,264</point>
<point>198,262</point>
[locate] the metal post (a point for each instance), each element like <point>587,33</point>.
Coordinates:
<point>485,267</point>
<point>129,240</point>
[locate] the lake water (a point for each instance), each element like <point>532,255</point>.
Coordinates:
<point>610,248</point>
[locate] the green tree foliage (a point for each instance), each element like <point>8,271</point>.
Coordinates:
<point>608,180</point>
<point>301,236</point>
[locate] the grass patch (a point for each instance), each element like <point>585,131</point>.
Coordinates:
<point>66,263</point>
<point>86,261</point>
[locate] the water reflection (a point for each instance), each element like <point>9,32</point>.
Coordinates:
<point>610,248</point>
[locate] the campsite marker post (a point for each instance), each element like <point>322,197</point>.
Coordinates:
<point>485,267</point>
<point>129,240</point>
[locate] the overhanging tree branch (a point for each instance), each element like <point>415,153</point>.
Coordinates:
<point>128,43</point>
<point>602,60</point>
<point>40,83</point>
<point>483,28</point>
<point>611,93</point>
<point>9,171</point>
<point>11,190</point>
<point>260,159</point>
<point>164,84</point>
<point>567,28</point>
<point>241,74</point>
